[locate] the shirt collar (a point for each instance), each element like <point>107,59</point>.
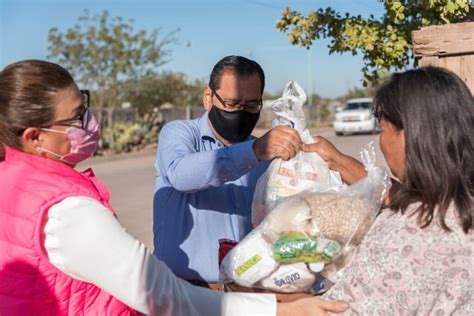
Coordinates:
<point>204,128</point>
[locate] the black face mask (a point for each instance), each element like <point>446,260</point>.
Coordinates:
<point>233,126</point>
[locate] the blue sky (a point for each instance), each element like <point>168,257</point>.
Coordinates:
<point>213,28</point>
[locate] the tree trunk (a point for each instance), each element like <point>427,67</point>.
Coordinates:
<point>112,100</point>
<point>100,112</point>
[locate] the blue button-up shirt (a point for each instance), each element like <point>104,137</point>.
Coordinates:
<point>203,193</point>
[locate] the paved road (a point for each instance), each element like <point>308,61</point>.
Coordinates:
<point>130,178</point>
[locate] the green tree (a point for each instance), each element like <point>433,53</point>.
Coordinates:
<point>102,52</point>
<point>272,96</point>
<point>195,90</point>
<point>152,91</point>
<point>324,112</point>
<point>384,43</point>
<point>316,99</point>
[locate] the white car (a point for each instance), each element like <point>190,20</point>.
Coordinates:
<point>356,117</point>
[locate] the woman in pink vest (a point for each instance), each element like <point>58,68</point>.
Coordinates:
<point>62,250</point>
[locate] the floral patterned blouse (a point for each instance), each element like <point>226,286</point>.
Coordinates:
<point>401,269</point>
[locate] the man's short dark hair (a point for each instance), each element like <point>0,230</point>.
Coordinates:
<point>237,64</point>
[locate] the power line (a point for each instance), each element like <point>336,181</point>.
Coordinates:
<point>265,5</point>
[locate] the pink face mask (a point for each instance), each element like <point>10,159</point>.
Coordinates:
<point>83,142</point>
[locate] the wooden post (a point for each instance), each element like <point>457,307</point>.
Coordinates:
<point>449,46</point>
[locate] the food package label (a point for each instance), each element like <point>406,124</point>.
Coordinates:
<point>297,246</point>
<point>290,278</point>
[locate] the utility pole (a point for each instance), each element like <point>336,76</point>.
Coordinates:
<point>310,77</point>
<point>188,75</point>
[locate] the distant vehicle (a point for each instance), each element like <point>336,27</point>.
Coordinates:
<point>356,117</point>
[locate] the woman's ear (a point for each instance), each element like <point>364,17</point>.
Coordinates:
<point>31,138</point>
<point>207,98</point>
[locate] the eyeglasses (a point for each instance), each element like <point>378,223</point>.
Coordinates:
<point>82,119</point>
<point>252,107</point>
<point>79,121</point>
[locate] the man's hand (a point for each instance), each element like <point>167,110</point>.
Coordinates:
<point>310,307</point>
<point>279,142</point>
<point>351,170</point>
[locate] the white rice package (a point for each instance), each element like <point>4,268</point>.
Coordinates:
<point>250,262</point>
<point>290,278</point>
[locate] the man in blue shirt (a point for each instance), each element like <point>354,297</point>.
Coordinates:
<point>207,169</point>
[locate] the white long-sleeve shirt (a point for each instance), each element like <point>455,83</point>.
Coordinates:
<point>84,240</point>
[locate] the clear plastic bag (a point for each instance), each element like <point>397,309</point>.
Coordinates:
<point>303,172</point>
<point>309,236</point>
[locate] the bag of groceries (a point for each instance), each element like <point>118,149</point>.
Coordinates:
<point>309,235</point>
<point>303,172</point>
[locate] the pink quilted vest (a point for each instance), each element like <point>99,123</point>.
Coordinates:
<point>29,283</point>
